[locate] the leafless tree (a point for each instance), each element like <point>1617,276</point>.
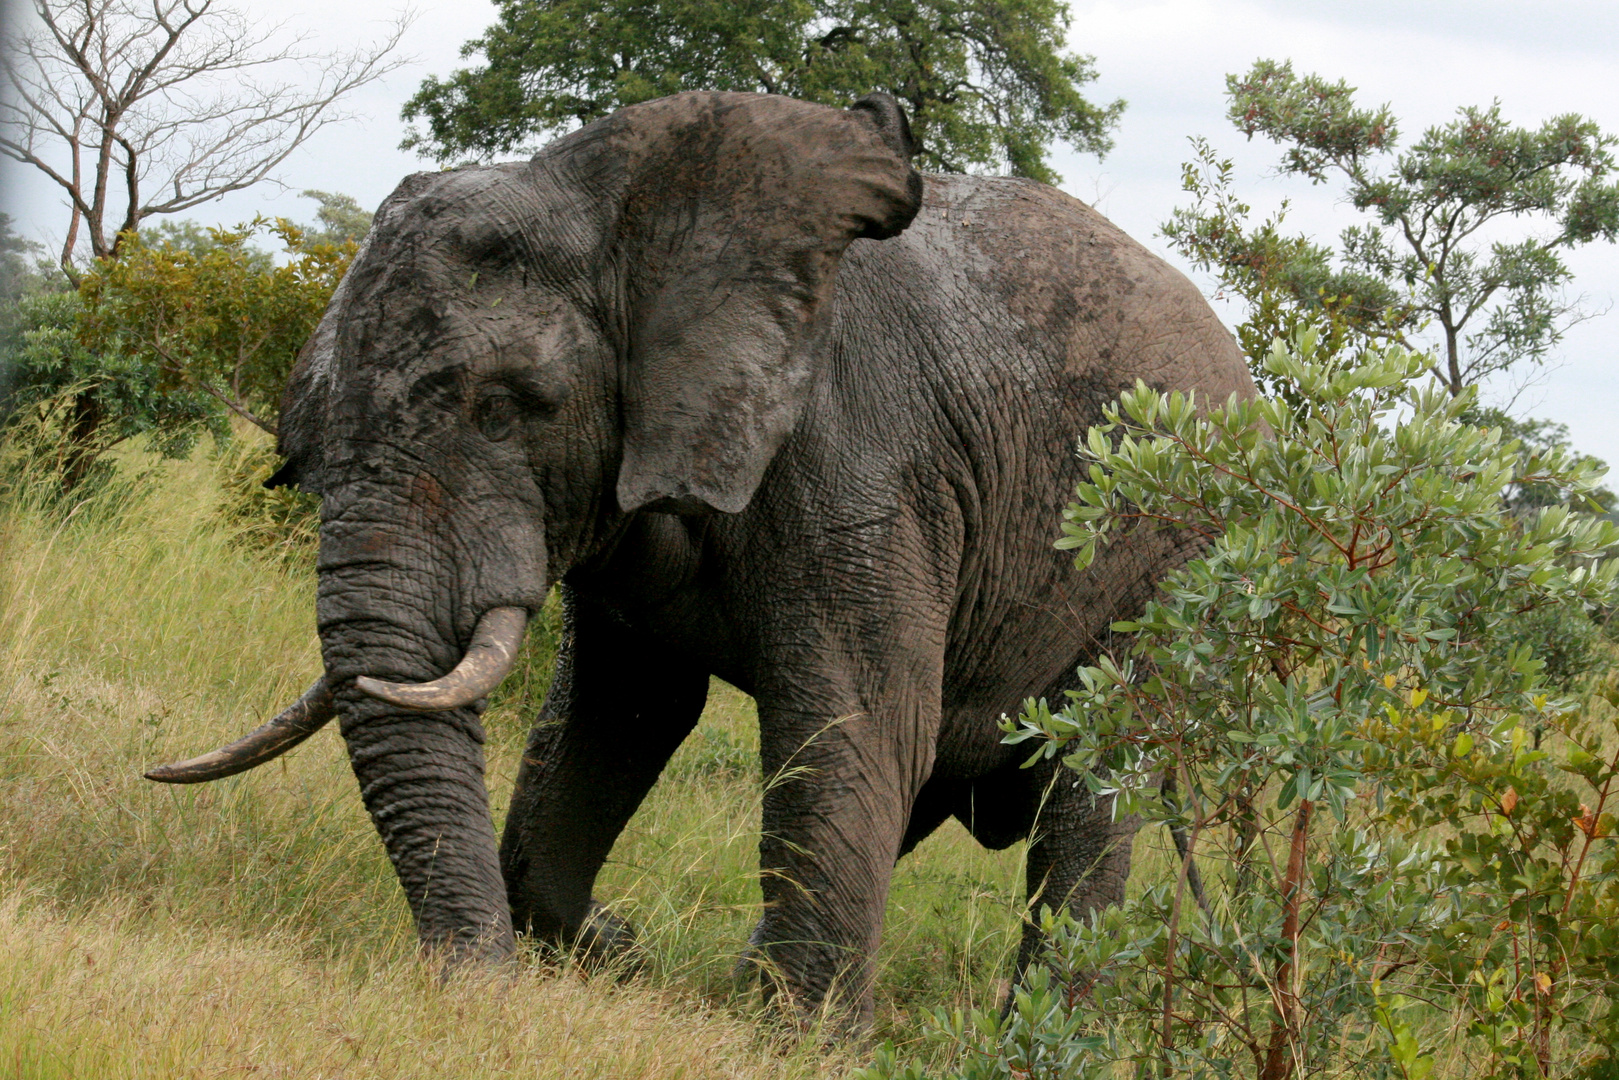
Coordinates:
<point>144,107</point>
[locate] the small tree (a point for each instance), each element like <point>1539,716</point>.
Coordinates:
<point>141,109</point>
<point>219,319</point>
<point>1434,253</point>
<point>188,323</point>
<point>342,219</point>
<point>987,85</point>
<point>17,278</point>
<point>1322,707</point>
<point>16,270</point>
<point>78,403</point>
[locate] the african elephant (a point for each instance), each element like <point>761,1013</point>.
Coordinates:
<point>769,405</point>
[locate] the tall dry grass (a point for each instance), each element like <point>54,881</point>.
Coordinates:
<point>84,995</point>
<point>254,927</point>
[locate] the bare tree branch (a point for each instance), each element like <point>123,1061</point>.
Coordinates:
<point>143,107</point>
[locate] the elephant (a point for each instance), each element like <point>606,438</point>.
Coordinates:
<point>766,404</point>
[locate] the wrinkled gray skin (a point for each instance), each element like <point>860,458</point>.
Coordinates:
<point>698,363</point>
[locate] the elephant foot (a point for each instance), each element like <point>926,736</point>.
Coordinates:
<point>832,1018</point>
<point>607,942</point>
<point>749,963</point>
<point>471,957</point>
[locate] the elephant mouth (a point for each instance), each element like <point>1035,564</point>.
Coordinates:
<point>488,659</point>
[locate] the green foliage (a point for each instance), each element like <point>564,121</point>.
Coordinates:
<point>281,521</point>
<point>987,85</point>
<point>22,274</point>
<point>1567,640</point>
<point>183,321</point>
<point>1528,957</point>
<point>70,405</point>
<point>1356,564</point>
<point>1536,439</point>
<point>343,220</point>
<point>219,318</point>
<point>1430,253</point>
<point>16,273</point>
<point>1288,282</point>
<point>1568,643</point>
<point>203,240</point>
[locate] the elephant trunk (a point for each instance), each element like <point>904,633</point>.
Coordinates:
<point>421,776</point>
<point>445,606</point>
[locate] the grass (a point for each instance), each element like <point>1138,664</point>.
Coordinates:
<point>254,927</point>
<point>88,997</point>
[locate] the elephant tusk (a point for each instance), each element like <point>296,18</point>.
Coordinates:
<point>296,723</point>
<point>488,659</point>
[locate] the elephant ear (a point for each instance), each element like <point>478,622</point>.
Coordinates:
<point>303,408</point>
<point>736,211</point>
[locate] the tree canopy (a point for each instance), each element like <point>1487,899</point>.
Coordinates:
<point>986,82</point>
<point>342,219</point>
<point>1466,229</point>
<point>141,109</point>
<point>15,252</point>
<point>219,318</point>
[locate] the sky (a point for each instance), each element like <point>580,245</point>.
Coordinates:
<point>1168,59</point>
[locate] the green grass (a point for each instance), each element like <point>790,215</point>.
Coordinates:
<point>255,924</point>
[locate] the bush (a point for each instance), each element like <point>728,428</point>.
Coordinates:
<point>1333,711</point>
<point>216,318</point>
<point>77,403</point>
<point>279,521</point>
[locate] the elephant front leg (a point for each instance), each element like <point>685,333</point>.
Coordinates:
<point>839,790</point>
<point>619,706</point>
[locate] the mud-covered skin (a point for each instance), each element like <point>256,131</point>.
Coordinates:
<point>886,427</point>
<point>895,575</point>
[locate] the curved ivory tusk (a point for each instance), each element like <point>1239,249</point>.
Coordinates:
<point>488,659</point>
<point>297,722</point>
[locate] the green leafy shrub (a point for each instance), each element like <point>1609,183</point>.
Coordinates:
<point>279,521</point>
<point>218,319</point>
<point>182,328</point>
<point>1527,956</point>
<point>1332,905</point>
<point>77,403</point>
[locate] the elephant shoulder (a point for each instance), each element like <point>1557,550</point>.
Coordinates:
<point>1116,310</point>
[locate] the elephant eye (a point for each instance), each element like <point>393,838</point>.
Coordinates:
<point>497,416</point>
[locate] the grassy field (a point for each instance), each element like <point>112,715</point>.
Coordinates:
<point>254,927</point>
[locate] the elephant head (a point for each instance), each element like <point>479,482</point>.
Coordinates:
<point>521,356</point>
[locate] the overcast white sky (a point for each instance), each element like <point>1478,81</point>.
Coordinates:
<point>1168,59</point>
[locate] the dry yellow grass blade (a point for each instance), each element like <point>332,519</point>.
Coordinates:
<point>81,998</point>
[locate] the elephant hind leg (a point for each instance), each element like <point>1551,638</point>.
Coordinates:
<point>1079,857</point>
<point>619,706</point>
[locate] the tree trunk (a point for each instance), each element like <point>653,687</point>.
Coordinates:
<point>1284,1033</point>
<point>85,418</point>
